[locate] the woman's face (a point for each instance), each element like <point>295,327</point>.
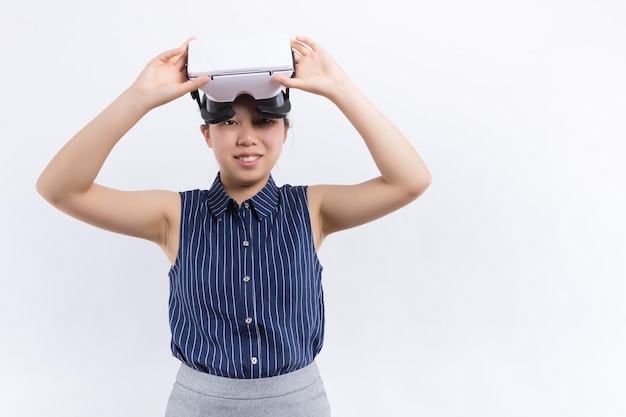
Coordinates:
<point>246,147</point>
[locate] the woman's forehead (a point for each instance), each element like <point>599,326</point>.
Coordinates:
<point>245,104</point>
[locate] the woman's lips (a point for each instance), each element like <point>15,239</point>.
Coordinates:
<point>248,158</point>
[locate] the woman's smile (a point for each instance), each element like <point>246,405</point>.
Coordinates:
<point>248,160</point>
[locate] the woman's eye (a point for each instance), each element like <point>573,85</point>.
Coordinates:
<point>265,121</point>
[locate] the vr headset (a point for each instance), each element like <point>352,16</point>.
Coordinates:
<point>241,66</point>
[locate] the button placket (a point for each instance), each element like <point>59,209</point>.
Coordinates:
<point>248,290</point>
<point>244,214</point>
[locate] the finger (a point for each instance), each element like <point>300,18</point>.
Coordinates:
<point>167,56</point>
<point>301,48</point>
<point>194,84</point>
<point>191,38</point>
<point>182,58</point>
<point>308,42</point>
<point>288,82</point>
<point>297,56</point>
<point>177,53</point>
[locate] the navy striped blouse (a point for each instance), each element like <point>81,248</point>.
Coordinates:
<point>246,297</point>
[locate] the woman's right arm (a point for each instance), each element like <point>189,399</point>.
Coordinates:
<point>68,180</point>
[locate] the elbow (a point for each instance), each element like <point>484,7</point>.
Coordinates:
<point>43,190</point>
<point>40,187</point>
<point>419,185</point>
<point>46,190</point>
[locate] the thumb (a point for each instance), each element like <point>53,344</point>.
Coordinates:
<point>194,84</point>
<point>287,82</point>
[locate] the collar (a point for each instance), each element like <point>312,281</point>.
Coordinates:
<point>264,203</point>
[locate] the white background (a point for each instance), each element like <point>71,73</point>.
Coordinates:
<point>500,292</point>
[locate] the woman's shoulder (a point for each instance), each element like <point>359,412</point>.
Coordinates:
<point>293,191</point>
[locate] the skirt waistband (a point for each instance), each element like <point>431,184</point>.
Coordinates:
<point>222,387</point>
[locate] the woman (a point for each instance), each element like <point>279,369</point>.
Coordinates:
<point>246,304</point>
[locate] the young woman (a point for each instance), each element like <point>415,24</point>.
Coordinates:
<point>246,305</point>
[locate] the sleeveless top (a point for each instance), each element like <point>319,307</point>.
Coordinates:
<point>246,298</point>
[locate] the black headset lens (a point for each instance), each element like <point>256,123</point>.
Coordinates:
<point>212,112</point>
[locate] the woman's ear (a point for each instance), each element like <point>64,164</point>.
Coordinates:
<point>205,133</point>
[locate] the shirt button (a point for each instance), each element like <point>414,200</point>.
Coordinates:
<point>246,204</point>
<point>246,279</point>
<point>248,320</point>
<point>246,243</point>
<point>254,360</point>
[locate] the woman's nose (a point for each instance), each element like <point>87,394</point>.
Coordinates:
<point>247,136</point>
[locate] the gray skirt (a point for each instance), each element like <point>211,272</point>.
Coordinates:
<point>297,394</point>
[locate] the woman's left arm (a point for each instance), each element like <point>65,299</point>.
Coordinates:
<point>404,176</point>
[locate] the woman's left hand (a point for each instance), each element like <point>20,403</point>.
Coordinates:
<point>316,71</point>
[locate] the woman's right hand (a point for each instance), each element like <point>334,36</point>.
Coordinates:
<point>165,78</point>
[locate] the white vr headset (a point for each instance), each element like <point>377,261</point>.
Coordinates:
<point>241,65</point>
